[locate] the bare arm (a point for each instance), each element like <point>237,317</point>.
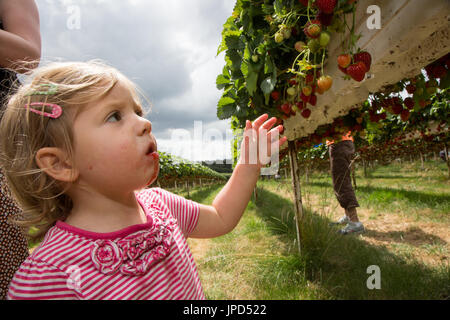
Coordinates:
<point>20,40</point>
<point>230,203</point>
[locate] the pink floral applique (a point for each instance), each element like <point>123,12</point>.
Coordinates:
<point>137,252</point>
<point>107,256</point>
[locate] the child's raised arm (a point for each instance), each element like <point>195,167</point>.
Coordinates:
<point>230,203</point>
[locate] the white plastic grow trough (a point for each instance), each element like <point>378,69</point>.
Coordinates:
<point>413,34</point>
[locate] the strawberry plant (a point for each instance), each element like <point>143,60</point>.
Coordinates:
<point>275,51</point>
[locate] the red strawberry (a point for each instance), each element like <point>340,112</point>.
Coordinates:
<point>344,70</point>
<point>357,71</point>
<point>304,2</point>
<point>411,88</point>
<point>439,72</point>
<point>293,81</point>
<point>300,105</point>
<point>365,57</point>
<point>313,29</point>
<point>309,78</point>
<point>275,95</point>
<point>313,100</point>
<point>405,115</point>
<point>286,108</point>
<point>304,97</point>
<point>409,103</point>
<point>326,6</point>
<point>397,108</point>
<point>429,70</point>
<point>325,18</point>
<point>306,113</point>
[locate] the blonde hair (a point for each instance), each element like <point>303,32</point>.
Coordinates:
<point>23,133</point>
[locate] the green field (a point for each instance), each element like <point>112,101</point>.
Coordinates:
<point>406,214</point>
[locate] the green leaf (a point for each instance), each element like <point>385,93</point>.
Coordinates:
<point>226,101</point>
<point>226,112</point>
<point>233,41</point>
<point>235,59</point>
<point>226,108</point>
<point>252,81</point>
<point>222,81</point>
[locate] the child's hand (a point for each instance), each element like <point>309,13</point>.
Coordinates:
<point>258,141</point>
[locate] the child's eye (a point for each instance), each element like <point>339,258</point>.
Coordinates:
<point>139,113</point>
<point>114,117</point>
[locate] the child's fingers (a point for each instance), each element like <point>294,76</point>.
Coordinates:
<point>274,133</point>
<point>248,125</point>
<point>283,141</point>
<point>258,122</point>
<point>269,123</point>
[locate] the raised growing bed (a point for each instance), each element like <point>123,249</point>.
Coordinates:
<point>413,33</point>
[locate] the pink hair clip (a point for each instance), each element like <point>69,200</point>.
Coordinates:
<point>56,109</point>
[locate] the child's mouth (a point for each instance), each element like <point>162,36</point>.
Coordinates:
<point>152,150</point>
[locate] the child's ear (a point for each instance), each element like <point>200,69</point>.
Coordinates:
<point>56,164</point>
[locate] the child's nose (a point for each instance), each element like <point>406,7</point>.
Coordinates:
<point>147,127</point>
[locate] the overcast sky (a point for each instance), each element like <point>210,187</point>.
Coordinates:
<point>168,47</point>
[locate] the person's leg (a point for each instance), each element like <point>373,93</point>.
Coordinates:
<point>352,214</point>
<point>340,158</point>
<point>340,161</point>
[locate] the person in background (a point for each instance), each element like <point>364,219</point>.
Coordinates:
<point>341,160</point>
<point>20,50</point>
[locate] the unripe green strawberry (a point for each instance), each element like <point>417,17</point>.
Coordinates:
<point>324,39</point>
<point>286,33</point>
<point>291,91</point>
<point>279,37</point>
<point>299,46</point>
<point>314,45</point>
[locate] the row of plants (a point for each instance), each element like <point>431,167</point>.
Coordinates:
<point>409,118</point>
<point>173,167</point>
<point>411,105</point>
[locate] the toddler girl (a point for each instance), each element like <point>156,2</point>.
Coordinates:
<point>78,155</point>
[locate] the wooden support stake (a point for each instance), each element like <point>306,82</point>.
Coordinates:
<point>447,158</point>
<point>421,160</point>
<point>297,190</point>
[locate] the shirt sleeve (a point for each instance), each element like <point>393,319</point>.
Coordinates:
<point>185,211</point>
<point>38,280</point>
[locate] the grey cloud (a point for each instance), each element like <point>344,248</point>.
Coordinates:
<point>165,46</point>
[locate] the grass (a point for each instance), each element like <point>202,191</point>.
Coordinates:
<point>422,194</point>
<point>260,259</point>
<point>406,213</point>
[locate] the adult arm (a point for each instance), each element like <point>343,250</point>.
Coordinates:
<point>20,41</point>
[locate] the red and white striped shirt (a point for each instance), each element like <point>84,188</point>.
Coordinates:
<point>146,261</point>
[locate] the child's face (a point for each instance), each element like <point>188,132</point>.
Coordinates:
<point>115,151</point>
